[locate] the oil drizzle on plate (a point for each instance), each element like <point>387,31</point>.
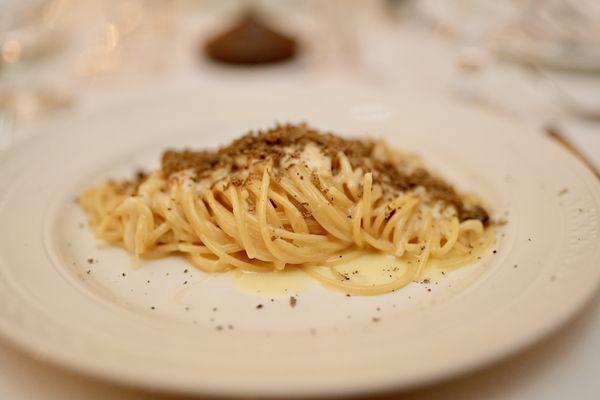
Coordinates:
<point>289,281</point>
<point>369,268</point>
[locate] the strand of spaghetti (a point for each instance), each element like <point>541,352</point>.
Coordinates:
<point>101,209</point>
<point>143,229</point>
<point>435,239</point>
<point>428,233</point>
<point>273,218</point>
<point>472,225</point>
<point>356,220</point>
<point>179,225</point>
<point>324,243</point>
<point>321,211</point>
<point>406,234</point>
<point>452,260</point>
<point>294,215</point>
<point>380,214</point>
<point>240,222</point>
<point>365,290</point>
<point>305,238</point>
<point>151,186</point>
<point>204,229</point>
<point>280,257</point>
<point>214,242</point>
<point>399,228</point>
<point>339,197</point>
<point>225,219</point>
<point>378,244</point>
<point>319,205</point>
<point>314,206</point>
<point>130,221</point>
<point>101,197</point>
<point>346,174</point>
<point>233,261</point>
<point>160,251</point>
<point>205,264</point>
<point>252,228</point>
<point>402,209</point>
<point>302,254</point>
<point>366,201</point>
<point>461,248</point>
<point>305,181</point>
<point>450,235</point>
<point>341,258</point>
<point>159,231</point>
<point>309,238</point>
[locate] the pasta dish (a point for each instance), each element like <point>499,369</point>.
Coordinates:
<point>292,197</point>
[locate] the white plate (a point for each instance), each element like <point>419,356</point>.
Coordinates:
<point>102,323</point>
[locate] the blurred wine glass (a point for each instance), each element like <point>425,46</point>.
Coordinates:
<point>24,43</point>
<point>554,33</point>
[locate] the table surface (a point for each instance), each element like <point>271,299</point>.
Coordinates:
<point>563,365</point>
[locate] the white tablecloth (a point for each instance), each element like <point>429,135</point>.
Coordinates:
<point>562,366</point>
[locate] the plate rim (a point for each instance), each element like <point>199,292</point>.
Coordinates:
<point>140,381</point>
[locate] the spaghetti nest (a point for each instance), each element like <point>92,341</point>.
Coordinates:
<point>291,196</point>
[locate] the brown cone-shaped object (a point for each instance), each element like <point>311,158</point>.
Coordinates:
<point>250,41</point>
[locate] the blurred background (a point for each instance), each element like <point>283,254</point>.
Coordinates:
<point>535,60</point>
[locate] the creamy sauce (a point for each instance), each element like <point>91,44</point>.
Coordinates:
<point>375,268</point>
<point>372,268</point>
<point>315,159</point>
<point>289,281</point>
<point>369,268</point>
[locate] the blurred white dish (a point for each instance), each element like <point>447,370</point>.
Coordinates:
<point>577,92</point>
<point>132,326</point>
<point>520,45</point>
